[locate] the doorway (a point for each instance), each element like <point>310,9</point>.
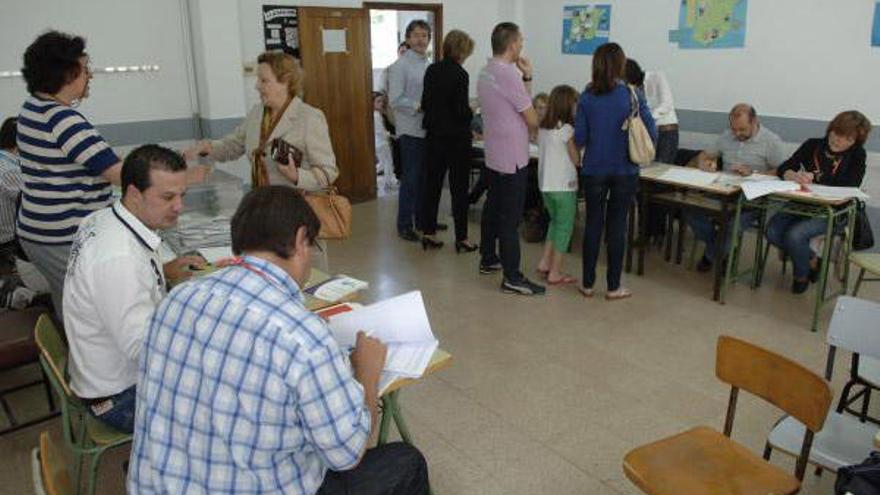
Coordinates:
<point>388,22</point>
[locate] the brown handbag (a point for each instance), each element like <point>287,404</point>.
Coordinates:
<point>332,209</point>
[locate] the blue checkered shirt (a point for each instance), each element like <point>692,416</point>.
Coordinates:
<point>242,390</point>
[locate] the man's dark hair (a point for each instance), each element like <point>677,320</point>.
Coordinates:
<point>503,35</point>
<point>268,218</point>
<point>8,133</point>
<point>138,164</point>
<point>417,24</point>
<point>634,73</point>
<point>52,61</point>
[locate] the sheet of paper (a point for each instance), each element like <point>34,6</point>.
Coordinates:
<point>831,192</point>
<point>756,189</point>
<point>385,380</point>
<point>409,359</point>
<point>334,40</point>
<point>337,288</point>
<point>400,319</point>
<point>689,176</point>
<point>214,254</point>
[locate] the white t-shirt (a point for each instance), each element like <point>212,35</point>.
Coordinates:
<point>556,172</point>
<point>114,282</point>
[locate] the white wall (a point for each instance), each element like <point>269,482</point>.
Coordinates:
<point>133,32</point>
<point>803,58</point>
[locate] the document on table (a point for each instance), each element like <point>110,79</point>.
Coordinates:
<point>832,192</point>
<point>400,319</point>
<point>409,359</point>
<point>756,189</point>
<point>336,288</point>
<point>689,176</point>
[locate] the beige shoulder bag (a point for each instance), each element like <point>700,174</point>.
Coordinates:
<point>641,146</point>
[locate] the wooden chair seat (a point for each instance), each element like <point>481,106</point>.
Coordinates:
<point>702,460</point>
<point>868,261</point>
<point>17,346</point>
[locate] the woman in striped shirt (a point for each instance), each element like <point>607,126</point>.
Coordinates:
<point>67,166</point>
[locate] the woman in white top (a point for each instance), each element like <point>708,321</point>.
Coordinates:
<point>281,120</point>
<point>659,96</point>
<point>558,162</point>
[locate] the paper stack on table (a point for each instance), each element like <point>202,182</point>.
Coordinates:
<point>689,176</point>
<point>833,192</point>
<point>756,189</point>
<point>401,323</point>
<point>336,288</point>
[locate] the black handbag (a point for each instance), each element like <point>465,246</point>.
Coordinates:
<point>863,236</point>
<point>860,479</point>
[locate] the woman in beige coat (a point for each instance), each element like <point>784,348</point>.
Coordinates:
<point>281,114</point>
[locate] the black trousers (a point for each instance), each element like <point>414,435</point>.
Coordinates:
<point>502,214</point>
<point>609,198</point>
<point>450,153</point>
<point>390,469</point>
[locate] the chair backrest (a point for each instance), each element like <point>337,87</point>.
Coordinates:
<point>855,326</point>
<point>53,351</point>
<point>784,383</point>
<point>53,469</point>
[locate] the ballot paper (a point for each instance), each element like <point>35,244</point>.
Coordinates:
<point>215,254</point>
<point>756,189</point>
<point>336,288</point>
<point>401,319</point>
<point>832,192</point>
<point>689,176</point>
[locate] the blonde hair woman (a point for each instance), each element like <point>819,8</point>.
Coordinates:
<point>287,142</point>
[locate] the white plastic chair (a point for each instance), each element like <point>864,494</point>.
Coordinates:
<point>844,440</point>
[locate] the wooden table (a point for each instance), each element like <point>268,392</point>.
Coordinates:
<point>718,200</point>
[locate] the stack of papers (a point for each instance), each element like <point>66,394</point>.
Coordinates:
<point>832,192</point>
<point>689,176</point>
<point>336,288</point>
<point>401,323</point>
<point>756,189</point>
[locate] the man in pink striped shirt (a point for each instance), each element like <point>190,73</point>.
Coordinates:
<point>503,90</point>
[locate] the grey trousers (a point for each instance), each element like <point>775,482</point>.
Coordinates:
<point>51,261</point>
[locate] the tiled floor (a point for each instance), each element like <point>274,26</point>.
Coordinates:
<point>547,394</point>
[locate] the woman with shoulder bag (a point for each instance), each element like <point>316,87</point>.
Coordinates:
<point>610,175</point>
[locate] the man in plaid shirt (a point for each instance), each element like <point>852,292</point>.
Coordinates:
<point>243,390</point>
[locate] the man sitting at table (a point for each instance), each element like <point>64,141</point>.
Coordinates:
<point>243,390</point>
<point>115,279</point>
<point>745,148</point>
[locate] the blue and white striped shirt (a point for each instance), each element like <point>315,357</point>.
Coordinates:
<point>62,158</point>
<point>242,390</point>
<point>10,188</point>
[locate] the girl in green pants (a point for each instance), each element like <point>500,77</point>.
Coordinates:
<point>557,177</point>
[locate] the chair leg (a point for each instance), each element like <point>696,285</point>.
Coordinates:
<point>858,282</point>
<point>841,405</point>
<point>768,449</point>
<point>866,400</point>
<point>818,471</point>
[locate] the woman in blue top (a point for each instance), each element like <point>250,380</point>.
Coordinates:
<point>610,177</point>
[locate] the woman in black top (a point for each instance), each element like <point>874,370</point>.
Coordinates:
<point>838,159</point>
<point>447,121</point>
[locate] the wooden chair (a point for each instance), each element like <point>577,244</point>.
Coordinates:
<point>53,470</point>
<point>83,433</point>
<point>702,460</point>
<point>844,440</point>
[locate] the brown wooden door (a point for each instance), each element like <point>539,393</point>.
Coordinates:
<point>340,84</point>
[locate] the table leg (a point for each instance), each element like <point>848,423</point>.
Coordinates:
<point>681,228</point>
<point>847,247</point>
<point>823,268</point>
<point>388,405</point>
<point>643,228</point>
<point>722,273</point>
<point>758,263</point>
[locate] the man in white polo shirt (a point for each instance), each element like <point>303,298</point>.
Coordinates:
<point>115,279</point>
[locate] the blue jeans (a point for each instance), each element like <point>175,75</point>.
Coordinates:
<point>117,410</point>
<point>609,198</point>
<point>792,234</point>
<point>409,201</point>
<point>704,230</point>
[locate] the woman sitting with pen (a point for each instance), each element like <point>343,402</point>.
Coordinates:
<point>838,159</point>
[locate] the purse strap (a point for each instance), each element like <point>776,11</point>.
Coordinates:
<point>328,186</point>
